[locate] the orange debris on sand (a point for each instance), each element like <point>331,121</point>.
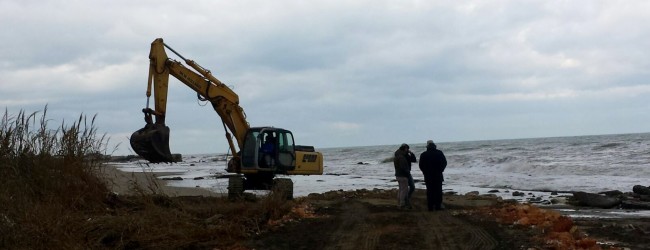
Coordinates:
<point>299,211</point>
<point>560,232</point>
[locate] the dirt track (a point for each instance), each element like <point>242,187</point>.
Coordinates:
<point>385,228</point>
<point>377,223</point>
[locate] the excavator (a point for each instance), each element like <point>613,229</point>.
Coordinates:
<point>260,154</point>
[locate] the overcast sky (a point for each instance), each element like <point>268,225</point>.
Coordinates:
<point>339,73</point>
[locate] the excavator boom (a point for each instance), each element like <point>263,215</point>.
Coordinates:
<point>152,141</point>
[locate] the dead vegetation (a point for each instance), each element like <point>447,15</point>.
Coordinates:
<point>52,198</point>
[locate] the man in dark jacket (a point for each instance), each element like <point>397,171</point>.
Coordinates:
<point>433,164</point>
<point>402,172</point>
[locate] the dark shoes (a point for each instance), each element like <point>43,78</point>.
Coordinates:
<point>437,208</point>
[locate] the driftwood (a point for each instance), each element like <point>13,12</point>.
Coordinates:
<point>596,200</point>
<point>638,189</point>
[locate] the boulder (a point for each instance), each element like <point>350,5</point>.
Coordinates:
<point>177,157</point>
<point>612,193</point>
<point>595,200</point>
<point>638,189</point>
<point>644,197</point>
<point>633,204</point>
<point>517,193</point>
<point>472,193</point>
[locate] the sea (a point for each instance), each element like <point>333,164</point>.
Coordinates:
<point>541,168</point>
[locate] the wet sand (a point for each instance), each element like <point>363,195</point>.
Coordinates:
<point>133,183</point>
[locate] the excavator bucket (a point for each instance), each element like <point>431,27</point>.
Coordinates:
<point>152,143</point>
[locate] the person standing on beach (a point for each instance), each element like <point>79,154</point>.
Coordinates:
<point>410,156</point>
<point>433,164</point>
<point>402,173</point>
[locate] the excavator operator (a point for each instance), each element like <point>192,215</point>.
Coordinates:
<point>268,151</point>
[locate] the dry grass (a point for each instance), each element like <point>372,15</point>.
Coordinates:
<point>51,197</point>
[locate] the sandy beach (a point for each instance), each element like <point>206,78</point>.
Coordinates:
<point>340,215</point>
<point>132,183</point>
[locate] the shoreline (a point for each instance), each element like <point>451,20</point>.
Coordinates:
<point>133,183</point>
<point>121,182</point>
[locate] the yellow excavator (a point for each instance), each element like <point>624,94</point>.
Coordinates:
<point>261,152</point>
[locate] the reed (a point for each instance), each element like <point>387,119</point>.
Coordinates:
<point>53,196</point>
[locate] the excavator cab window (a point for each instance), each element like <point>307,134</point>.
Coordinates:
<point>249,152</point>
<point>286,155</point>
<point>269,148</point>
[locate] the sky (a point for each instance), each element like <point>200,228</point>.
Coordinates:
<point>338,73</point>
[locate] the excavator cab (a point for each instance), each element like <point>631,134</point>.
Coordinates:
<point>152,141</point>
<point>268,149</point>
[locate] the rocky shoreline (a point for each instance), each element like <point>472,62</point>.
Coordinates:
<point>639,198</point>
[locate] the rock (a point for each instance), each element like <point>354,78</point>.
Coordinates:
<point>173,178</point>
<point>596,200</point>
<point>493,191</point>
<point>614,193</point>
<point>638,189</point>
<point>126,158</point>
<point>473,193</point>
<point>177,157</point>
<point>553,193</point>
<point>644,197</point>
<point>632,204</point>
<point>517,193</point>
<point>198,178</point>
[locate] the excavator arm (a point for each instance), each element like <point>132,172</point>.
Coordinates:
<point>152,141</point>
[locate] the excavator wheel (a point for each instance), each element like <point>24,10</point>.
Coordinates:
<point>284,187</point>
<point>235,187</point>
<point>152,143</point>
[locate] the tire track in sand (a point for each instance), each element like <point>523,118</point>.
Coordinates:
<point>443,231</point>
<point>354,231</point>
<point>363,226</point>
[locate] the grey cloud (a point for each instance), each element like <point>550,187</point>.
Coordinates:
<point>340,73</point>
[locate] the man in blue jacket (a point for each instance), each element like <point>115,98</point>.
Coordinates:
<point>433,164</point>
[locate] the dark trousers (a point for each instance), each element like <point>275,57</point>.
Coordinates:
<point>411,186</point>
<point>434,194</point>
